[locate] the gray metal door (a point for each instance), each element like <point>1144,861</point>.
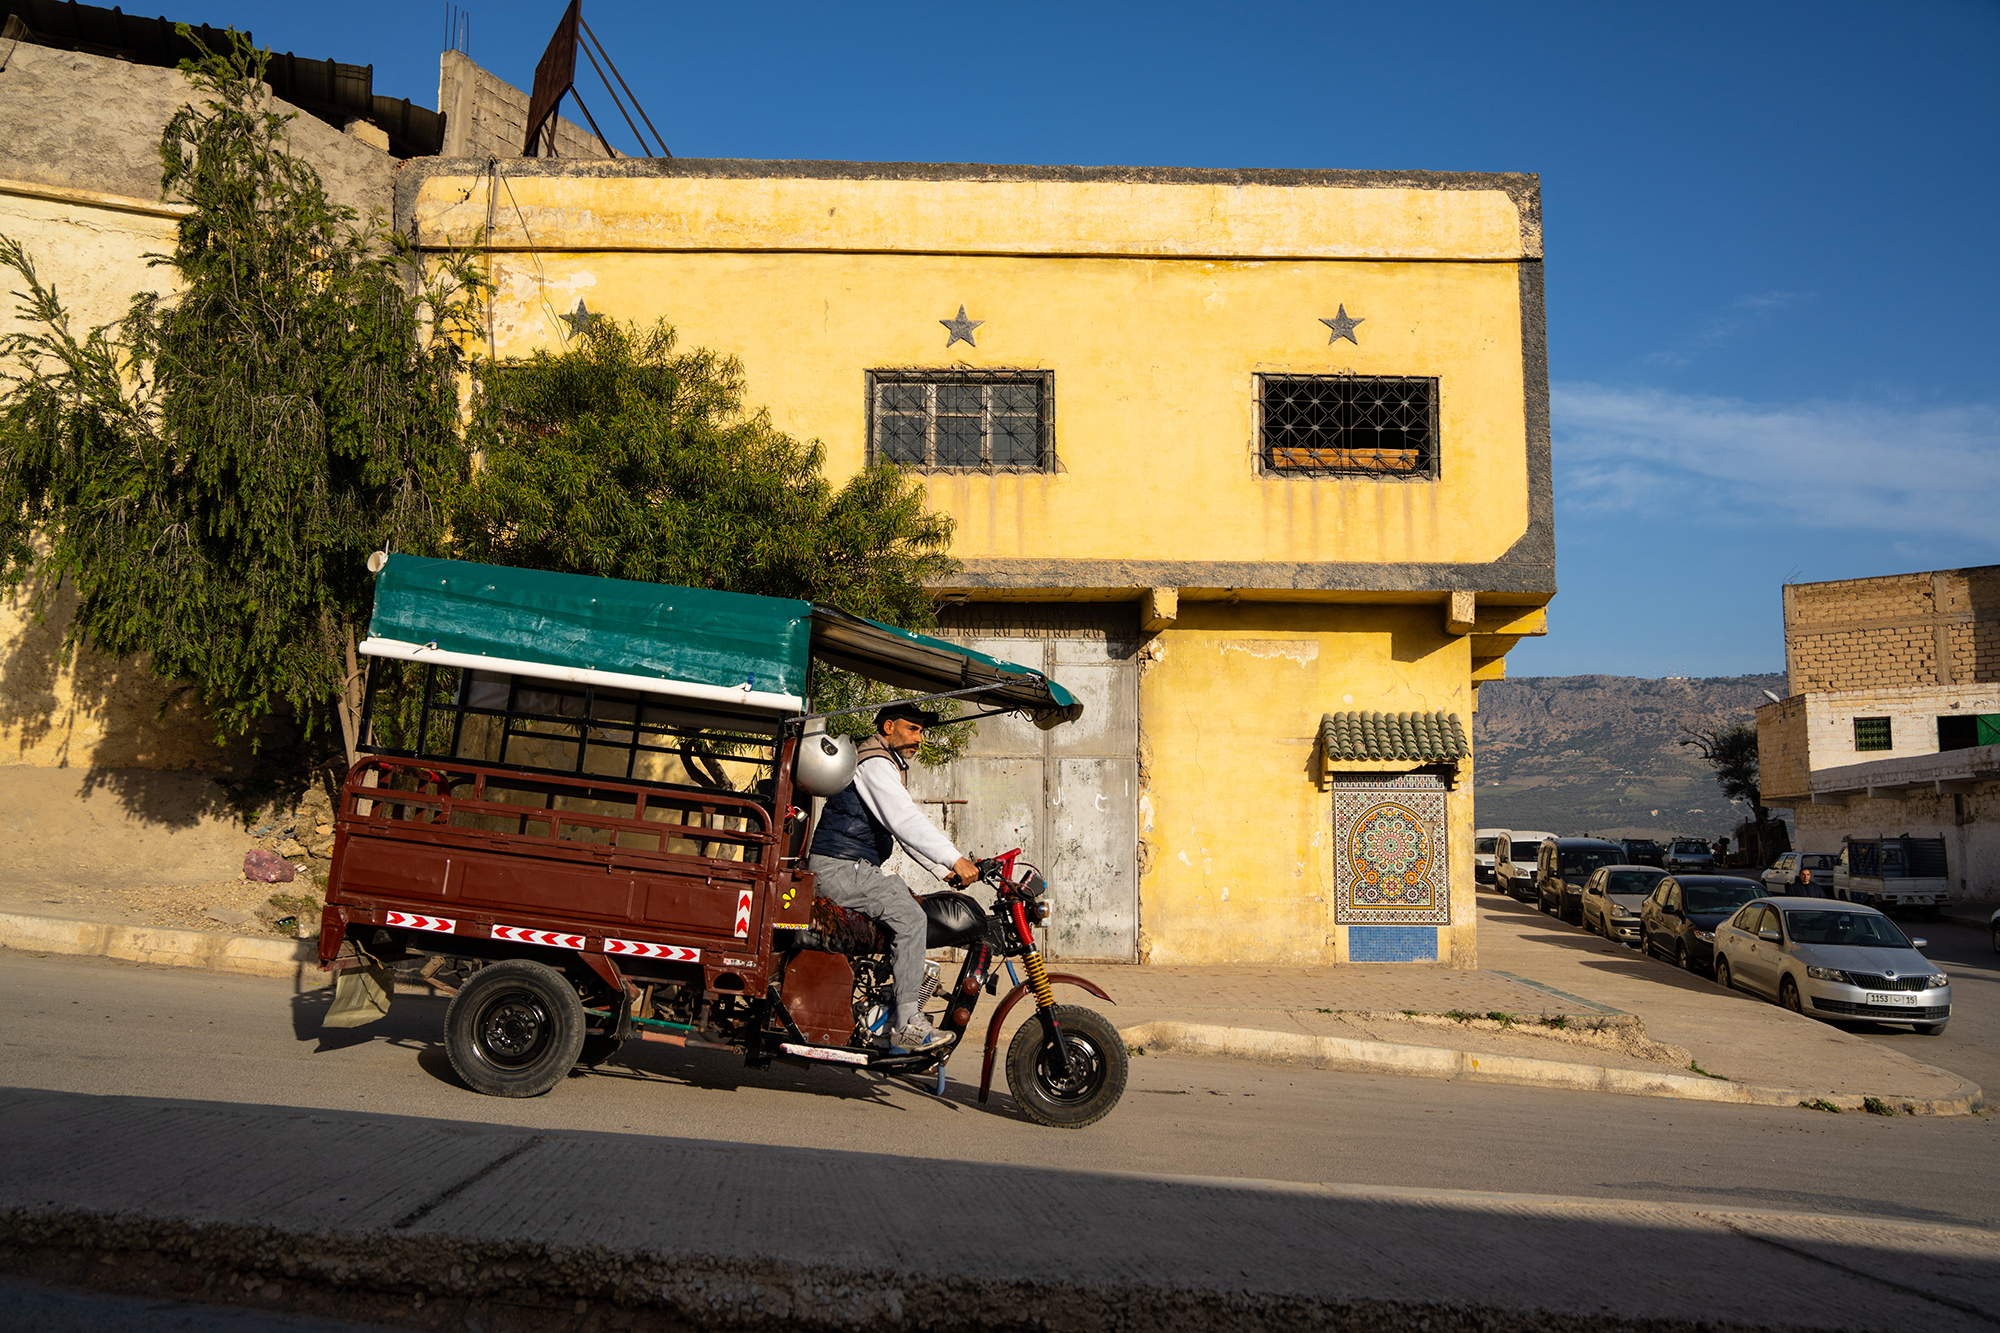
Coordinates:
<point>1068,798</point>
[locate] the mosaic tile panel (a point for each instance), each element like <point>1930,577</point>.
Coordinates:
<point>1392,944</point>
<point>1390,850</point>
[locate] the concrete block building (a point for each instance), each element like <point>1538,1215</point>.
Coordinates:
<point>1892,725</point>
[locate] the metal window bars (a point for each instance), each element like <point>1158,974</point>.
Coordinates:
<point>962,420</point>
<point>1349,425</point>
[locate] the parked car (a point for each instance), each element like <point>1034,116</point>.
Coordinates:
<point>1515,855</point>
<point>1678,922</point>
<point>1688,856</point>
<point>1613,897</point>
<point>1832,960</point>
<point>1483,842</point>
<point>1995,925</point>
<point>1643,852</point>
<point>1563,866</point>
<point>1785,873</point>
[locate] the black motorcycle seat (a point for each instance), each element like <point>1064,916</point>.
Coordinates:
<point>952,919</point>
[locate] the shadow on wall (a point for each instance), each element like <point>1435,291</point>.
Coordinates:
<point>113,724</point>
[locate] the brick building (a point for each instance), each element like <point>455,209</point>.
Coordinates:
<point>1893,721</point>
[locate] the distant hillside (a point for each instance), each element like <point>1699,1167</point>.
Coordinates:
<point>1597,754</point>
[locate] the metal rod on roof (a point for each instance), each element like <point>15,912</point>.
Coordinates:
<point>608,149</point>
<point>621,82</point>
<point>643,146</point>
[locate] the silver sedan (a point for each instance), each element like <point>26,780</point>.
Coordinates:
<point>1832,960</point>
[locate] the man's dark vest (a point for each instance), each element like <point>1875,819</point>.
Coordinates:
<point>848,829</point>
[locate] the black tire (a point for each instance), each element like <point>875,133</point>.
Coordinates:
<point>596,1050</point>
<point>1788,996</point>
<point>1682,958</point>
<point>1929,1029</point>
<point>515,1029</point>
<point>1098,1067</point>
<point>1996,939</point>
<point>1722,977</point>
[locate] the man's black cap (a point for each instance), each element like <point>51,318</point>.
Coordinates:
<point>923,717</point>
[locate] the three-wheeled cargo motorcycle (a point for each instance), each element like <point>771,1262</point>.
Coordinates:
<point>578,812</point>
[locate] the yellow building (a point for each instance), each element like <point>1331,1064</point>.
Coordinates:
<point>1246,458</point>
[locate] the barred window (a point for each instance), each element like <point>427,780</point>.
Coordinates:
<point>962,420</point>
<point>1871,733</point>
<point>1349,425</point>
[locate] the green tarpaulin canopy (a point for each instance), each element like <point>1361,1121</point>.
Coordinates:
<point>688,642</point>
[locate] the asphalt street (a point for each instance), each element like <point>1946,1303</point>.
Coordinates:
<point>109,1029</point>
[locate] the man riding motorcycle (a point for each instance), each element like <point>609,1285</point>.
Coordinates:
<point>858,831</point>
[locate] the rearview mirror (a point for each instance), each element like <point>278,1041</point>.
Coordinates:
<point>1919,944</point>
<point>1771,935</point>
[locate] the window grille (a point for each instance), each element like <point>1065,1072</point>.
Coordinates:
<point>962,420</point>
<point>1872,733</point>
<point>1349,425</point>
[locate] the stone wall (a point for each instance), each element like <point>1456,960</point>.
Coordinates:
<point>92,123</point>
<point>1935,628</point>
<point>485,116</point>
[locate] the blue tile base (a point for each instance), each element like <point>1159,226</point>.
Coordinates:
<point>1392,944</point>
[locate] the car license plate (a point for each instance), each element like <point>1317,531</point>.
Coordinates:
<point>1891,999</point>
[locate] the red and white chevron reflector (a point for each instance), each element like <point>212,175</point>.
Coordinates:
<point>640,949</point>
<point>743,914</point>
<point>443,925</point>
<point>553,939</point>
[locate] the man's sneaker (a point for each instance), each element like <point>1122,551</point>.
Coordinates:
<point>919,1035</point>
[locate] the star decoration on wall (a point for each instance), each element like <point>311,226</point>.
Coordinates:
<point>579,319</point>
<point>1342,327</point>
<point>961,329</point>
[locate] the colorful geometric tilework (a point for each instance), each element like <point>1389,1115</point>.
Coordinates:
<point>1389,850</point>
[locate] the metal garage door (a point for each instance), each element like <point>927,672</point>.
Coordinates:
<point>1067,798</point>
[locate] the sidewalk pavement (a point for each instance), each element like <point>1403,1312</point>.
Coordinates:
<point>438,1224</point>
<point>1550,1006</point>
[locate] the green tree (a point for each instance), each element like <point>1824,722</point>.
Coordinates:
<point>211,472</point>
<point>1732,753</point>
<point>624,457</point>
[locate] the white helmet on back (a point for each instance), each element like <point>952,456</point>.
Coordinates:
<point>825,764</point>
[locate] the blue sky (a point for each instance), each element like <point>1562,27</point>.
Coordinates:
<point>1771,229</point>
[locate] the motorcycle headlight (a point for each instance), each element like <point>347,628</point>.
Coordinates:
<point>1040,911</point>
<point>1829,974</point>
<point>1705,936</point>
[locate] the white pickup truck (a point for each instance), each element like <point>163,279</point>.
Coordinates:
<point>1893,872</point>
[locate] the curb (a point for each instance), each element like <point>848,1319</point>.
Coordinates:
<point>1384,1057</point>
<point>213,951</point>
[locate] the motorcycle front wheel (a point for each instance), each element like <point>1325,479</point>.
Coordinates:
<point>1097,1069</point>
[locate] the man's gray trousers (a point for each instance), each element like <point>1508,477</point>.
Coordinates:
<point>868,888</point>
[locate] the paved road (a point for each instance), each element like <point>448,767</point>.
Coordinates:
<point>92,1026</point>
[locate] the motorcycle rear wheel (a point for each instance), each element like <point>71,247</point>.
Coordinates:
<point>1098,1067</point>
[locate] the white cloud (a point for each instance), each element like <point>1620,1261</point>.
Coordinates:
<point>1929,472</point>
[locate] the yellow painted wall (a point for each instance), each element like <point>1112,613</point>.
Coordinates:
<point>91,712</point>
<point>1154,358</point>
<point>1238,863</point>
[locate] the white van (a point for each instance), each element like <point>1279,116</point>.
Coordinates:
<point>1515,852</point>
<point>1483,841</point>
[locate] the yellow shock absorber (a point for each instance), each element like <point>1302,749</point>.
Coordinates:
<point>1038,977</point>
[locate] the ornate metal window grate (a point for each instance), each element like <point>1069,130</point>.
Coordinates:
<point>1872,733</point>
<point>1349,425</point>
<point>962,420</point>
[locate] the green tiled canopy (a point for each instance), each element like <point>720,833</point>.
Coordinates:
<point>1424,738</point>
